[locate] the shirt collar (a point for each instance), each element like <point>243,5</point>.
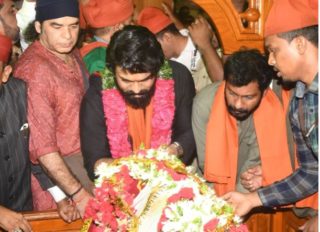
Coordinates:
<point>314,85</point>
<point>302,89</point>
<point>99,39</point>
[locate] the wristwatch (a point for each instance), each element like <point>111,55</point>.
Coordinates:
<point>178,148</point>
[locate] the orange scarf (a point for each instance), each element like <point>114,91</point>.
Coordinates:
<point>222,142</point>
<point>139,123</point>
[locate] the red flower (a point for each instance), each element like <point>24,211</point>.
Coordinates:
<point>211,225</point>
<point>163,218</point>
<point>184,193</point>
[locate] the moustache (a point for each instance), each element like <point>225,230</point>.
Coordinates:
<point>133,94</point>
<point>239,114</point>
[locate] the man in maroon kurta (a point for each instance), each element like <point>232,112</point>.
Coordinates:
<point>55,78</point>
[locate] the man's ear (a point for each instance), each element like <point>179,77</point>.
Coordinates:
<point>301,44</point>
<point>37,26</point>
<point>6,73</point>
<point>116,27</point>
<point>167,36</point>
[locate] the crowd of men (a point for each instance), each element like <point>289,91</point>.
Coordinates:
<point>251,137</point>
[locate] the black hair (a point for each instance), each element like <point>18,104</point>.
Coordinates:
<point>135,49</point>
<point>171,28</point>
<point>310,33</point>
<point>30,34</point>
<point>246,66</point>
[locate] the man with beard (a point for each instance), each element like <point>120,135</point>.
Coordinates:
<point>292,43</point>
<point>233,124</point>
<point>8,21</point>
<point>138,99</point>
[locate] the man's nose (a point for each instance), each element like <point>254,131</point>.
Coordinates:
<point>67,33</point>
<point>238,103</point>
<point>136,87</point>
<point>271,60</point>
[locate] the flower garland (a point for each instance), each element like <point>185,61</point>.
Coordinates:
<point>117,119</point>
<point>153,191</point>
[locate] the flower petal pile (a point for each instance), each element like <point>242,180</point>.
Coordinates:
<point>153,191</point>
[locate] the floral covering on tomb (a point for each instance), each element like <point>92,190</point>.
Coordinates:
<point>152,190</point>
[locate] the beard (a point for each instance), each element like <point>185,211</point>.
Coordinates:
<point>11,32</point>
<point>239,114</point>
<point>138,100</point>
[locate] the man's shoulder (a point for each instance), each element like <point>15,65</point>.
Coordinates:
<point>98,52</point>
<point>34,51</point>
<point>176,65</point>
<point>179,70</point>
<point>207,92</point>
<point>182,78</point>
<point>15,81</point>
<point>15,88</point>
<point>31,60</point>
<point>95,60</point>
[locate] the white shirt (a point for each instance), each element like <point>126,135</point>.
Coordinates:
<point>191,58</point>
<point>25,16</point>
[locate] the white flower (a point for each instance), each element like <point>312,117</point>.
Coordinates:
<point>105,171</point>
<point>237,219</point>
<point>204,206</point>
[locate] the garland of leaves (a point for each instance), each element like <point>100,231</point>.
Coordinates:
<point>108,80</point>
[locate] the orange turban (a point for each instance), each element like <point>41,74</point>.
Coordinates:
<point>289,15</point>
<point>104,13</point>
<point>5,48</point>
<point>154,19</point>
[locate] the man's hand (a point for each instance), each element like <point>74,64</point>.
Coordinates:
<point>201,33</point>
<point>11,221</point>
<point>242,202</point>
<point>175,149</point>
<point>252,178</point>
<point>81,199</point>
<point>168,11</point>
<point>172,150</point>
<point>202,36</point>
<point>67,211</point>
<point>311,225</point>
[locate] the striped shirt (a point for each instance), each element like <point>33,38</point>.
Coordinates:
<point>15,191</point>
<point>304,181</point>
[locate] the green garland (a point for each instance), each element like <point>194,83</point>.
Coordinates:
<point>165,71</point>
<point>108,81</point>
